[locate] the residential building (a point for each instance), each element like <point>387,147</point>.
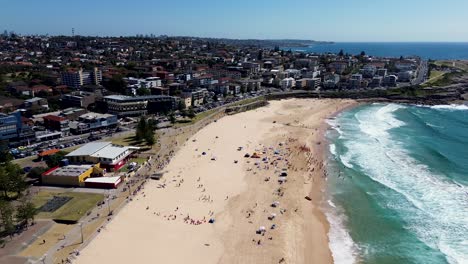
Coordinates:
<point>251,84</point>
<point>308,83</point>
<point>382,72</point>
<point>93,121</point>
<point>376,82</point>
<point>368,71</point>
<point>122,105</point>
<point>405,76</point>
<point>338,66</point>
<point>390,81</point>
<point>331,81</point>
<point>57,123</point>
<point>36,105</point>
<point>287,83</point>
<point>78,99</point>
<point>77,78</point>
<point>197,95</point>
<point>355,81</point>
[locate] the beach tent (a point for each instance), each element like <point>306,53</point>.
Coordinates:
<point>275,204</point>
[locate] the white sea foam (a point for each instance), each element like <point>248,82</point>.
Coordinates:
<point>342,246</point>
<point>450,107</point>
<point>346,160</point>
<point>439,216</point>
<point>333,124</point>
<point>333,149</point>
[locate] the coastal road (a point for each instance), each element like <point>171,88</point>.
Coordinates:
<point>422,73</point>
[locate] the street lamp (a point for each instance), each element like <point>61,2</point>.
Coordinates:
<point>108,206</point>
<point>81,230</point>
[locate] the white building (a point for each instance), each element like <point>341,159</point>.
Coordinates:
<point>287,83</point>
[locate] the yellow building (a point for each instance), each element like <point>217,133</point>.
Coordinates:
<point>70,175</point>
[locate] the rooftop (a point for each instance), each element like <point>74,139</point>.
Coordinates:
<point>110,152</point>
<point>133,98</point>
<point>92,115</point>
<point>70,170</point>
<point>88,149</point>
<point>103,179</point>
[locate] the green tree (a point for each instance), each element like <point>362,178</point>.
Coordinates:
<point>260,55</point>
<point>143,91</point>
<point>11,179</point>
<point>181,105</point>
<point>116,84</point>
<point>150,138</point>
<point>341,53</point>
<point>36,172</point>
<point>54,160</point>
<point>5,154</point>
<point>6,216</point>
<point>191,113</point>
<point>25,211</point>
<point>172,117</point>
<point>141,129</point>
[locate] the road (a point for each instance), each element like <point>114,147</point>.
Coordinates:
<point>422,73</point>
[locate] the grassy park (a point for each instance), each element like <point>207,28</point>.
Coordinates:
<point>73,210</point>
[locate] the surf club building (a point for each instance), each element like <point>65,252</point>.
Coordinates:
<point>110,157</point>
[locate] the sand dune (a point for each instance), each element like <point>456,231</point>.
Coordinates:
<point>168,221</point>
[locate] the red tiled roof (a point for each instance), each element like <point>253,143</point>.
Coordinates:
<point>54,118</point>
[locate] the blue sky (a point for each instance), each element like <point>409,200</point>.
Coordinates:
<point>334,20</point>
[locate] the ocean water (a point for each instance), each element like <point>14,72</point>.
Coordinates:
<point>425,50</point>
<point>398,184</point>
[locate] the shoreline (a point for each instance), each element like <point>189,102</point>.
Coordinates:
<point>211,243</point>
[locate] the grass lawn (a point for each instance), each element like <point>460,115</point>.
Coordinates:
<point>126,141</point>
<point>73,210</point>
<point>38,249</point>
<point>463,65</point>
<point>435,75</point>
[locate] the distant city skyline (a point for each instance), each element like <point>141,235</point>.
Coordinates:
<point>334,20</point>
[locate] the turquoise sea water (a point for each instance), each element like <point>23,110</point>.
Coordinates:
<point>398,184</point>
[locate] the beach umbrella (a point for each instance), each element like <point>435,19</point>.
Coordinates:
<point>275,203</point>
<point>262,228</point>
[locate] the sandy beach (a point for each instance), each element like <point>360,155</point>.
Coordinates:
<point>255,217</point>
